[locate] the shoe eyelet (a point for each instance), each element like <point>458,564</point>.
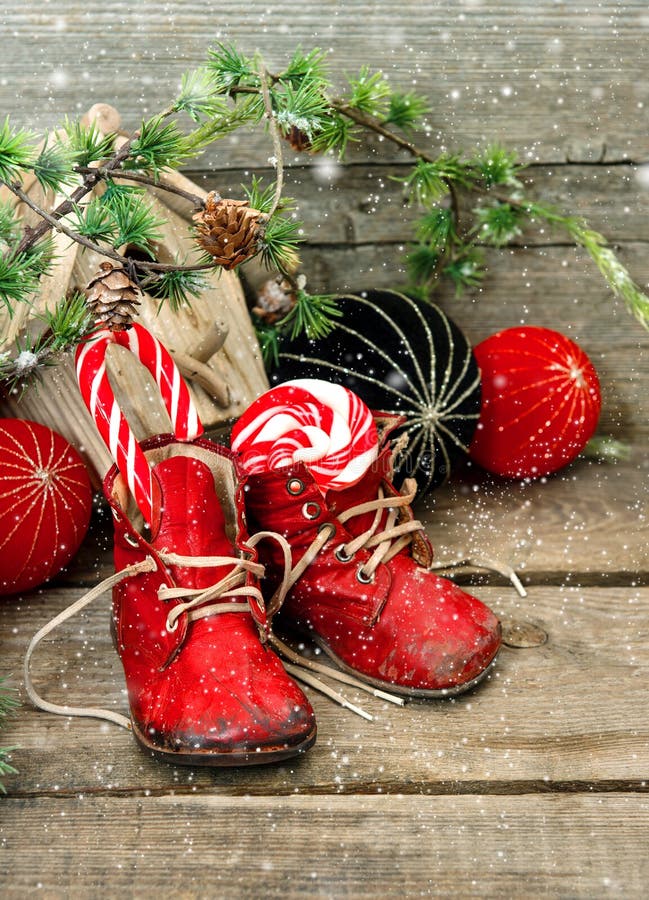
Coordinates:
<point>341,556</point>
<point>363,577</point>
<point>295,487</point>
<point>130,540</point>
<point>311,510</point>
<point>328,526</point>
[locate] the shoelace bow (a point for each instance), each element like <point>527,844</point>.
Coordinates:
<point>233,585</point>
<point>204,602</point>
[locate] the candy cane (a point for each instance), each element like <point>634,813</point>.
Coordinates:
<point>326,426</point>
<point>98,396</point>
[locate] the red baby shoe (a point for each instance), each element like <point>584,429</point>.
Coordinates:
<point>203,688</point>
<point>361,586</point>
<point>189,622</point>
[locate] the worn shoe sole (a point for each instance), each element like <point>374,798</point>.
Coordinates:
<point>401,690</point>
<point>218,760</point>
<point>222,760</point>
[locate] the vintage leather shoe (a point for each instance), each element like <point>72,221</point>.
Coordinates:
<point>189,621</point>
<point>202,687</point>
<point>361,587</point>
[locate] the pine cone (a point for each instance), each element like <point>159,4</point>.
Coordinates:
<point>228,230</point>
<point>112,298</point>
<point>297,138</point>
<point>275,299</point>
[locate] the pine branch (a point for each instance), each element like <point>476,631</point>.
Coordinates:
<point>17,281</point>
<point>65,327</point>
<point>312,314</point>
<point>406,111</point>
<point>51,221</point>
<point>32,235</point>
<point>158,145</point>
<point>176,286</point>
<point>278,246</point>
<point>138,178</point>
<point>87,144</point>
<point>16,151</point>
<point>53,167</point>
<point>198,97</point>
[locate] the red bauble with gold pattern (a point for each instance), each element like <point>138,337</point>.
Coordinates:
<point>45,504</point>
<point>540,402</point>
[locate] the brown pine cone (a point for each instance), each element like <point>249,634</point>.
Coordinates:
<point>112,298</point>
<point>297,138</point>
<point>228,230</point>
<point>275,299</point>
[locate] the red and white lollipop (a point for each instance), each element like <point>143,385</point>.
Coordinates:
<point>325,426</point>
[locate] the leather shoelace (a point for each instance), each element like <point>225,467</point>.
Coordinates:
<point>385,543</point>
<point>230,586</point>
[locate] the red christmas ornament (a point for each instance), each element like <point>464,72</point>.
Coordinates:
<point>540,402</point>
<point>45,504</point>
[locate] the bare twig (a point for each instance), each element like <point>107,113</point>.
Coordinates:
<point>51,221</point>
<point>32,235</point>
<point>141,264</point>
<point>373,125</point>
<point>277,140</point>
<point>194,199</point>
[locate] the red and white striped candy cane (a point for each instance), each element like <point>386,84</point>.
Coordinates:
<point>111,422</point>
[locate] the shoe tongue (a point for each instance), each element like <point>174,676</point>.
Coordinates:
<point>363,491</point>
<point>191,521</point>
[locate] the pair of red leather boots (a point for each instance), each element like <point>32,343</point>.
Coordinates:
<point>205,686</point>
<point>192,628</point>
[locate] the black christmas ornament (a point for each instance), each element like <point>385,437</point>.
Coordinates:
<point>405,358</point>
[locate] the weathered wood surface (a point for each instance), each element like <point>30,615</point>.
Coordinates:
<point>327,847</point>
<point>586,525</point>
<point>569,713</point>
<point>558,80</point>
<point>536,782</point>
<point>358,229</point>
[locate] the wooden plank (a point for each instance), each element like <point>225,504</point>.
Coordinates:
<point>567,714</point>
<point>357,229</point>
<point>554,846</point>
<point>554,287</point>
<point>586,524</point>
<point>555,80</point>
<point>364,203</point>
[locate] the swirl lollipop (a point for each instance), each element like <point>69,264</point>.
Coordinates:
<point>325,426</point>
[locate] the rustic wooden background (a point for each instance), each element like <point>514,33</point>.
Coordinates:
<point>535,785</point>
<point>563,83</point>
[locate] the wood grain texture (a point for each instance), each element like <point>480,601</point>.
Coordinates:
<point>556,80</point>
<point>364,203</point>
<point>327,847</point>
<point>572,711</point>
<point>553,287</point>
<point>534,784</point>
<point>586,524</point>
<point>358,230</point>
